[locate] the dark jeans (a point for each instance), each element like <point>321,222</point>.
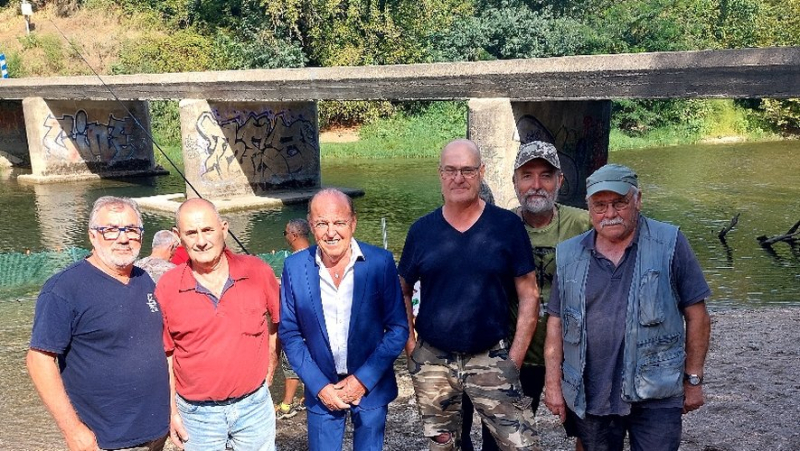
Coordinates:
<point>648,430</point>
<point>532,380</point>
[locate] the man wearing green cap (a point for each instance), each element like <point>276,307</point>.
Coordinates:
<point>628,332</point>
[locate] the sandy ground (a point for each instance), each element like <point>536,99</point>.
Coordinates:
<point>752,380</point>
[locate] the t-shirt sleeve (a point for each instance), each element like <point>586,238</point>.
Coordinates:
<point>522,250</point>
<point>52,323</point>
<point>272,294</point>
<point>687,275</point>
<point>554,304</point>
<point>407,268</point>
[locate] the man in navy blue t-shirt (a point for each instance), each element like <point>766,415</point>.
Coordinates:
<point>96,356</point>
<point>471,258</point>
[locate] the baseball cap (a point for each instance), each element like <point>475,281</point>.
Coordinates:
<point>611,177</point>
<point>534,150</point>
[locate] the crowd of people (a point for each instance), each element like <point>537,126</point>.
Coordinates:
<point>600,312</point>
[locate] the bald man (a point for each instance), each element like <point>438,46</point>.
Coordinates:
<point>220,331</point>
<point>474,260</point>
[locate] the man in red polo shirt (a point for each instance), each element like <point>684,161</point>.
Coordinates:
<point>220,323</point>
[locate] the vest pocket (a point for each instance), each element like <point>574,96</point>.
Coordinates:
<point>660,374</point>
<point>571,385</point>
<point>651,310</point>
<point>571,324</point>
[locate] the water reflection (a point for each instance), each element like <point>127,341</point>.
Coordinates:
<point>699,188</point>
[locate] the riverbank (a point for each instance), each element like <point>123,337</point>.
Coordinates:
<point>752,384</point>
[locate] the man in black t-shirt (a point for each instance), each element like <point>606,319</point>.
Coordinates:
<point>472,259</point>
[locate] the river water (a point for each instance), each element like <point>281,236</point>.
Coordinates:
<point>699,188</point>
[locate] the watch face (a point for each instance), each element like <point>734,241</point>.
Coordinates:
<point>694,379</point>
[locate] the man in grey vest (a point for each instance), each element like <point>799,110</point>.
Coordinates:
<point>628,332</point>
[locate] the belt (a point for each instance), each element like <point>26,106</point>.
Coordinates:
<point>223,402</point>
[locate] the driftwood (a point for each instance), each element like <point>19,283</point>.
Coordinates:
<point>788,237</point>
<point>727,228</point>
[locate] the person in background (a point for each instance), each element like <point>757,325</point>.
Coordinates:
<point>462,325</point>
<point>628,330</point>
<point>220,334</point>
<point>296,234</point>
<point>343,324</point>
<point>95,355</point>
<point>164,244</point>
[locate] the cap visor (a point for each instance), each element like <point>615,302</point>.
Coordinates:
<point>617,187</point>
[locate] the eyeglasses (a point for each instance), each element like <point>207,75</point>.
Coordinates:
<point>112,233</point>
<point>325,225</point>
<point>619,205</point>
<point>468,172</point>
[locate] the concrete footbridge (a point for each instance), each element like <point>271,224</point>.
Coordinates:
<point>254,133</point>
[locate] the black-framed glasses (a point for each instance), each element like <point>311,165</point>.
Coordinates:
<point>113,232</point>
<point>468,172</point>
<point>619,205</point>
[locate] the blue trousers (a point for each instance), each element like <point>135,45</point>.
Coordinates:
<point>326,430</point>
<point>648,429</point>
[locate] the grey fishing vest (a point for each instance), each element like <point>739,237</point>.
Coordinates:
<point>654,349</point>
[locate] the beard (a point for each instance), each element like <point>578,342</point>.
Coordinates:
<point>539,201</point>
<point>119,261</point>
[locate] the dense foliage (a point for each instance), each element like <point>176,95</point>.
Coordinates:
<point>184,35</point>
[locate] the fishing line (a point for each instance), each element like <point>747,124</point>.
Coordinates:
<point>75,48</point>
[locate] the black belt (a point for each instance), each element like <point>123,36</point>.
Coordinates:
<point>224,402</point>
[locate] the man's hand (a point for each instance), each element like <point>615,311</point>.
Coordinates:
<point>81,438</point>
<point>692,397</point>
<point>329,396</point>
<point>177,433</point>
<point>351,390</point>
<point>554,400</point>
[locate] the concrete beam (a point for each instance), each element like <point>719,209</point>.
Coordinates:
<point>739,73</point>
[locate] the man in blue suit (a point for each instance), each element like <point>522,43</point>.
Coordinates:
<point>343,324</point>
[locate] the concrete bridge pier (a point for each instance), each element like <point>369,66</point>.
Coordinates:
<point>78,140</point>
<point>578,129</point>
<point>238,150</point>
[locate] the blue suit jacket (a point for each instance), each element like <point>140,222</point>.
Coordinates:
<point>378,326</point>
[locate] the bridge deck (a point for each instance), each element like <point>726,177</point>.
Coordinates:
<point>743,73</point>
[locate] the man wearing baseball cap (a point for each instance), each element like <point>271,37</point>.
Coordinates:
<point>628,330</point>
<point>537,180</point>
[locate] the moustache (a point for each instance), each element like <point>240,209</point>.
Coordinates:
<point>611,222</point>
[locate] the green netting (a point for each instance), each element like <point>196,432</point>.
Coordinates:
<point>24,272</point>
<point>21,273</point>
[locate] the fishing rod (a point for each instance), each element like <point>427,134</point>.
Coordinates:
<point>139,124</point>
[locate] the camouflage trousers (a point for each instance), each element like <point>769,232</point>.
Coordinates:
<point>490,379</point>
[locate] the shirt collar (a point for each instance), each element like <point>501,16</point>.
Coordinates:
<point>236,271</point>
<point>355,253</point>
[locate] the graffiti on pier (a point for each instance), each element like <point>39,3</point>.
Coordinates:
<point>74,138</point>
<point>579,148</point>
<point>269,148</point>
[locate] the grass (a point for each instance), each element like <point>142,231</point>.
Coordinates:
<point>405,135</point>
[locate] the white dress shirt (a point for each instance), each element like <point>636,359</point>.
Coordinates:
<point>337,304</point>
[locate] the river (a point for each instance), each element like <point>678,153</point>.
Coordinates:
<point>699,188</point>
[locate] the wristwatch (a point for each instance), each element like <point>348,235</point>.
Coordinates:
<point>693,379</point>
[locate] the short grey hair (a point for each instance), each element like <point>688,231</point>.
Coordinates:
<point>164,238</point>
<point>113,202</point>
<point>334,192</point>
<point>299,226</point>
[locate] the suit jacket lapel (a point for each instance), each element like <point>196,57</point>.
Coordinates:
<point>315,293</point>
<point>360,273</point>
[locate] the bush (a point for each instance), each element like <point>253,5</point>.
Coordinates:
<point>182,51</point>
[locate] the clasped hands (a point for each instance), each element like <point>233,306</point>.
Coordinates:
<point>342,395</point>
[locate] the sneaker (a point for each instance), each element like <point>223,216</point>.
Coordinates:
<point>301,405</point>
<point>283,411</point>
